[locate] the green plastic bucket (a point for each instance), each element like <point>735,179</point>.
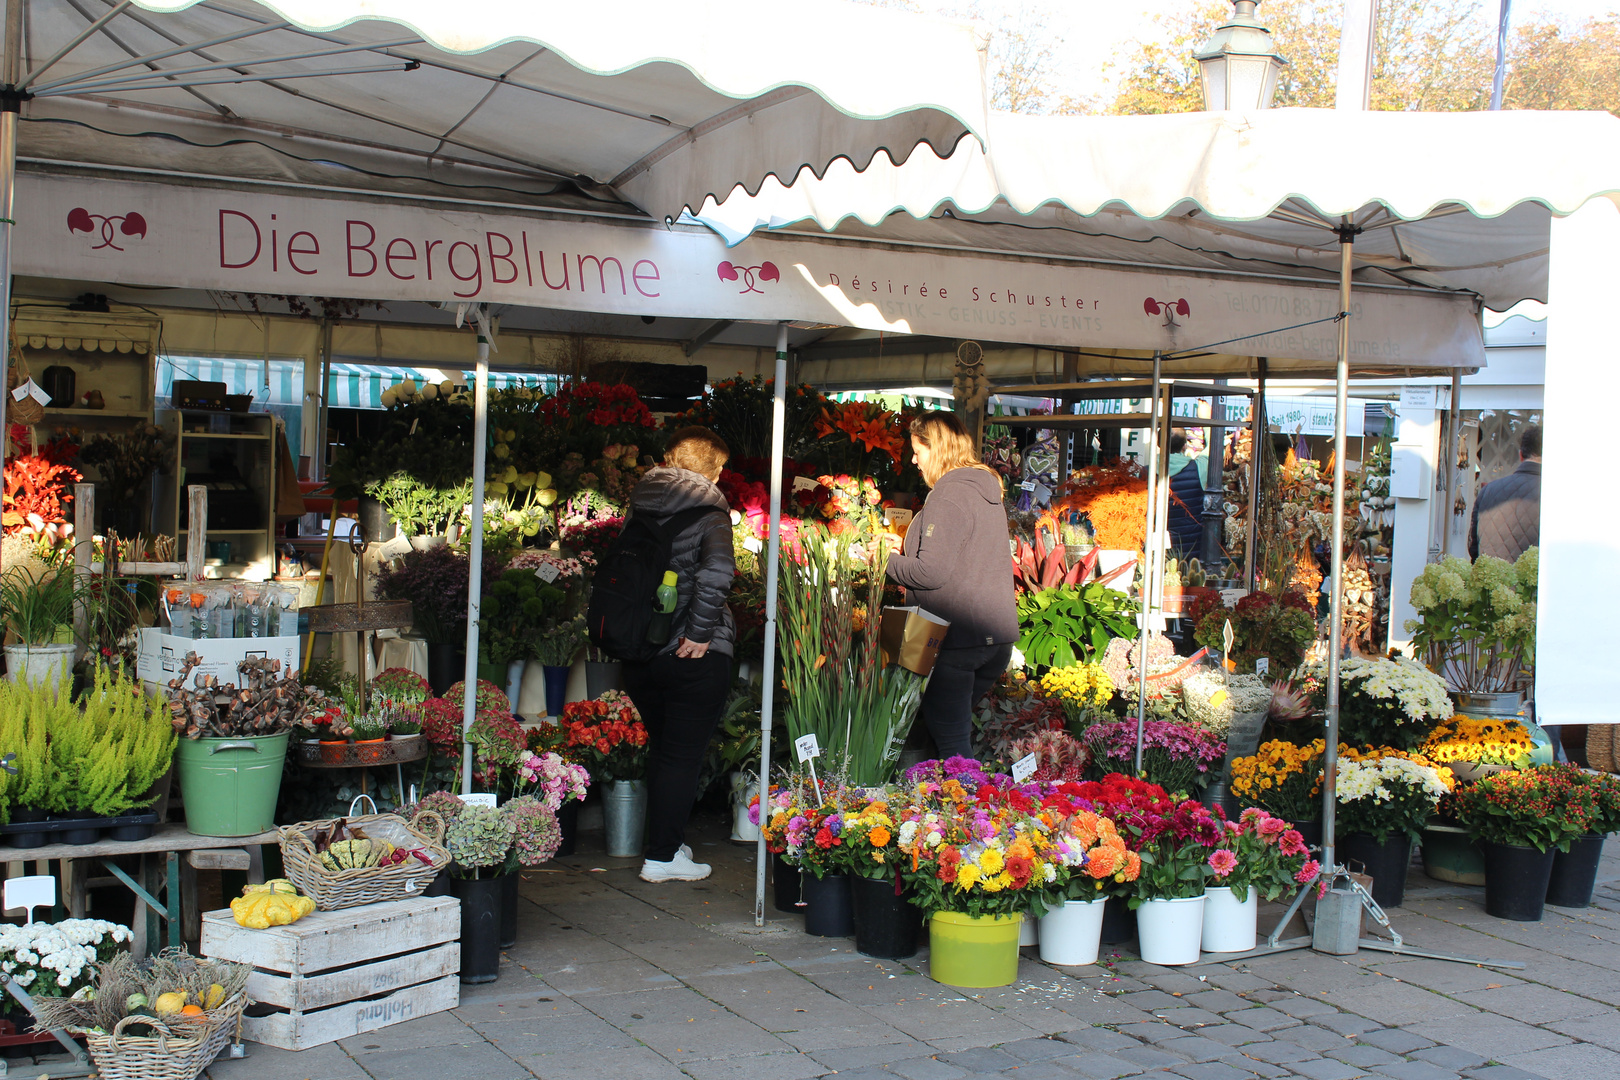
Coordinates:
<point>230,785</point>
<point>973,951</point>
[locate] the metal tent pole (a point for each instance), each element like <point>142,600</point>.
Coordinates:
<point>773,558</point>
<point>1259,428</point>
<point>1147,576</point>
<point>10,105</point>
<point>1330,760</point>
<point>1452,436</point>
<point>475,552</point>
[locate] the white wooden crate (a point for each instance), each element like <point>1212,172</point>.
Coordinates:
<point>333,974</point>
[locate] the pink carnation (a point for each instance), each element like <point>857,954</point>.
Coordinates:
<point>1223,862</point>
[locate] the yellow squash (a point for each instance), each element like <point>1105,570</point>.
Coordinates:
<point>262,910</point>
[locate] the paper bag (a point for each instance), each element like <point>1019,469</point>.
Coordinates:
<point>911,637</point>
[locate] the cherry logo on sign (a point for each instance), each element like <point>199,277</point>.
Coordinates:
<point>111,228</point>
<point>1168,308</point>
<point>750,276</point>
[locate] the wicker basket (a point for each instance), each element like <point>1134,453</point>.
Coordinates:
<point>179,1051</point>
<point>334,889</point>
<point>1600,748</point>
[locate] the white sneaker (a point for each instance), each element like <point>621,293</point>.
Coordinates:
<point>680,868</point>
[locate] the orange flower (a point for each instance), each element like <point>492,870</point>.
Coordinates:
<point>878,836</point>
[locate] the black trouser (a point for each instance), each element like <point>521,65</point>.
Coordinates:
<point>960,678</point>
<point>680,701</point>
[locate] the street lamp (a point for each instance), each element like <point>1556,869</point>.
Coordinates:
<point>1238,66</point>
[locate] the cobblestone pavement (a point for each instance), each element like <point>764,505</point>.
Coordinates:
<point>615,978</point>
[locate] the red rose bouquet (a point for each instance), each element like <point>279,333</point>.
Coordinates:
<point>606,735</point>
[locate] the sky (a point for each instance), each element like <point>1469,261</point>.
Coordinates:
<point>1095,31</point>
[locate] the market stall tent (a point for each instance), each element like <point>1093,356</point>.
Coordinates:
<point>1232,190</point>
<point>528,100</point>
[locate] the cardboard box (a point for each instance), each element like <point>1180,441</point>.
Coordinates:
<point>162,655</point>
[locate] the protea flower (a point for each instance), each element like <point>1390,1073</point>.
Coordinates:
<point>1288,702</point>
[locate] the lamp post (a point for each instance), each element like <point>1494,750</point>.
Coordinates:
<point>1238,66</point>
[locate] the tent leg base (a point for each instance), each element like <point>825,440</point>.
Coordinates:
<point>1403,949</point>
<point>1291,945</point>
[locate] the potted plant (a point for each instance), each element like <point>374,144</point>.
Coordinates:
<point>479,840</point>
<point>1286,780</point>
<point>36,602</point>
<point>1384,798</point>
<point>234,743</point>
<point>804,828</point>
<point>611,741</point>
<point>369,732</point>
<point>1169,893</point>
<point>1476,627</point>
<point>886,923</point>
<point>1090,861</point>
<point>1473,748</point>
<point>1522,819</point>
<point>1574,871</point>
<point>1258,856</point>
<point>512,617</point>
<point>57,960</point>
<point>1130,803</point>
<point>974,868</point>
<point>1083,690</point>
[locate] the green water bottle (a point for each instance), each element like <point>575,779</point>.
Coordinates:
<point>663,618</point>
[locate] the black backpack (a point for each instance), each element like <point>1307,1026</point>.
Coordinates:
<point>625,585</point>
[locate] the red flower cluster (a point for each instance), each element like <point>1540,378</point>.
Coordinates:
<point>1135,806</point>
<point>598,404</point>
<point>607,735</point>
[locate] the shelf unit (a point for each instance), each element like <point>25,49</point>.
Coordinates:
<point>232,455</point>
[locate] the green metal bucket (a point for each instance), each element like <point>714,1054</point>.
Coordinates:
<point>230,785</point>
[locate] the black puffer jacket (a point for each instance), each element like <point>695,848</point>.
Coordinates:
<point>957,561</point>
<point>701,555</point>
<point>1507,514</point>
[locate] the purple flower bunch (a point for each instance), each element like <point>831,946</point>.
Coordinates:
<point>969,773</point>
<point>1178,757</point>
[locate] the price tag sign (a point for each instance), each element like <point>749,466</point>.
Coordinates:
<point>804,483</point>
<point>547,572</point>
<point>752,543</point>
<point>896,516</point>
<point>1023,768</point>
<point>1262,666</point>
<point>37,392</point>
<point>483,798</point>
<point>23,390</point>
<point>807,746</point>
<point>1227,637</point>
<point>1028,485</point>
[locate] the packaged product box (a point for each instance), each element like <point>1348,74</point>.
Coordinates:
<point>162,655</point>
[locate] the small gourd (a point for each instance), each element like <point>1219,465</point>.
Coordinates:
<point>262,910</point>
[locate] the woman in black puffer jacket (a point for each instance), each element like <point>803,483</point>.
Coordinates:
<point>682,691</point>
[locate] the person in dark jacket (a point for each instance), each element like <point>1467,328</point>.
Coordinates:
<point>1186,522</point>
<point>1507,512</point>
<point>956,563</point>
<point>681,692</point>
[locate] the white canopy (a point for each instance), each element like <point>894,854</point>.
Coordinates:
<point>628,100</point>
<point>1233,191</point>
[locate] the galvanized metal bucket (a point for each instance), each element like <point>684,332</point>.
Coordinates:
<point>624,817</point>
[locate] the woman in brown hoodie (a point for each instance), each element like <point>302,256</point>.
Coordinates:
<point>956,563</point>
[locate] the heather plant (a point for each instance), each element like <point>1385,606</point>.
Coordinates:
<point>1178,757</point>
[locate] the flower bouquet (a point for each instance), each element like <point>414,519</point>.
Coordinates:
<point>607,736</point>
<point>1176,756</point>
<point>1282,779</point>
<point>1175,849</point>
<point>868,846</point>
<point>971,859</point>
<point>435,582</point>
<point>1090,859</point>
<point>805,825</point>
<point>551,779</point>
<point>1211,702</point>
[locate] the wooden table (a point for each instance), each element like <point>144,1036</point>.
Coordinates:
<point>202,852</point>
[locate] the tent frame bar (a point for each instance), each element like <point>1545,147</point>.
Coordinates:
<point>162,82</point>
<point>80,83</point>
<point>145,59</point>
<point>84,35</point>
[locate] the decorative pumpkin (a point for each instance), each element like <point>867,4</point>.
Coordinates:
<point>262,910</point>
<point>274,885</point>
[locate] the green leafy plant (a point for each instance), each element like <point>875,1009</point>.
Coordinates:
<point>1278,628</point>
<point>1067,625</point>
<point>1548,806</point>
<point>1476,622</point>
<point>419,508</point>
<point>38,603</point>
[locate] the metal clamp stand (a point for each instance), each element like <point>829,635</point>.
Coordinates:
<point>1338,928</point>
